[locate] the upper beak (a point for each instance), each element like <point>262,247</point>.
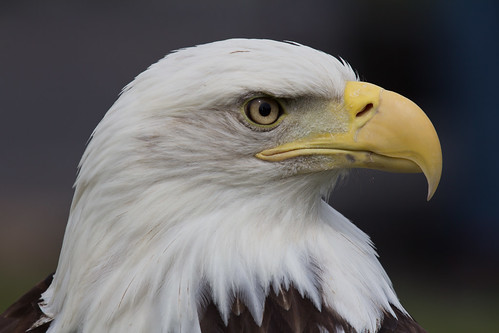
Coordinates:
<point>386,131</point>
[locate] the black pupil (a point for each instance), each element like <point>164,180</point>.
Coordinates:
<point>264,109</point>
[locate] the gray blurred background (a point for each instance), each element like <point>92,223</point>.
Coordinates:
<point>63,63</point>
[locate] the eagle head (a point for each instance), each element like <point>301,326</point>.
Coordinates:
<point>201,193</point>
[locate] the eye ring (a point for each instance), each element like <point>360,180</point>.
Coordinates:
<point>263,111</point>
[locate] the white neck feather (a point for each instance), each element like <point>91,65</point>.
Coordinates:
<point>145,276</point>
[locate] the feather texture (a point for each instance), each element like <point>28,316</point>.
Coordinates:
<point>25,314</point>
<point>285,312</point>
<point>289,312</point>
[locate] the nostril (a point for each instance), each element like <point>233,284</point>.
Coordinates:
<point>365,110</point>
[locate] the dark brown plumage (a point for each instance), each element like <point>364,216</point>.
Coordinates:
<point>401,324</point>
<point>21,315</point>
<point>289,312</point>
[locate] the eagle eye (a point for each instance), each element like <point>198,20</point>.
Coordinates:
<point>263,110</point>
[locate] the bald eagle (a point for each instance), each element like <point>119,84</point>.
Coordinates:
<point>201,200</point>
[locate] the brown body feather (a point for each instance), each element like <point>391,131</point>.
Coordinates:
<point>21,315</point>
<point>287,312</point>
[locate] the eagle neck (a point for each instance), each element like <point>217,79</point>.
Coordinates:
<point>219,245</point>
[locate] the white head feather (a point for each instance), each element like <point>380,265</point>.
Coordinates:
<point>171,203</point>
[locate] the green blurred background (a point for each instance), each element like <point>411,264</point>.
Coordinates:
<point>62,65</point>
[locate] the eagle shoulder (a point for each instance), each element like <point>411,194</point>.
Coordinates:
<point>21,315</point>
<point>402,323</point>
<point>290,312</point>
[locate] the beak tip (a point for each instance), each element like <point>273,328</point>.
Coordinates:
<point>430,194</point>
<point>432,186</point>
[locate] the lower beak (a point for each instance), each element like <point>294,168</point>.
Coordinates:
<point>386,131</point>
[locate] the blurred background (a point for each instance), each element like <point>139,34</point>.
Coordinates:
<point>62,65</point>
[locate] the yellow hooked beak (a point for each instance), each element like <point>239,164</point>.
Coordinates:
<point>386,131</point>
